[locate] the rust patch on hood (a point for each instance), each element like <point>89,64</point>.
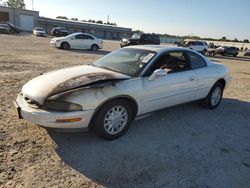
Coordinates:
<point>81,81</point>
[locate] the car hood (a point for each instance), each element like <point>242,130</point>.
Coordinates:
<point>46,85</point>
<point>57,38</point>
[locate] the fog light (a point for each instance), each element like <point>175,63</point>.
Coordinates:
<point>71,120</point>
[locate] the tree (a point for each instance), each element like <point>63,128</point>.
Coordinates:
<point>235,40</point>
<point>223,39</point>
<point>99,21</point>
<point>62,17</point>
<point>75,19</point>
<point>246,41</point>
<point>16,4</point>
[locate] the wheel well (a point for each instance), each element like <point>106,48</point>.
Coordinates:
<point>222,81</point>
<point>130,100</point>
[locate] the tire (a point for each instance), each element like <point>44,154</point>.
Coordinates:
<point>214,97</point>
<point>204,52</point>
<point>94,47</point>
<point>65,46</point>
<point>108,125</point>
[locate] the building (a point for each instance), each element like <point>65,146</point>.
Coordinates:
<point>27,20</point>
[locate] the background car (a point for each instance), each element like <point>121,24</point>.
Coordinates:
<point>233,51</point>
<point>140,39</point>
<point>225,51</point>
<point>4,29</point>
<point>106,96</point>
<point>38,31</point>
<point>12,27</point>
<point>77,41</point>
<point>247,53</point>
<point>59,32</point>
<point>196,45</point>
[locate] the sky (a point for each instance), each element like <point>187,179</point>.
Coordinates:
<point>210,18</point>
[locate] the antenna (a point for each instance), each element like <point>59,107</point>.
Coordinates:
<point>32,4</point>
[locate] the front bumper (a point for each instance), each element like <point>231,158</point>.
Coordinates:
<point>49,118</point>
<point>41,34</point>
<point>55,44</point>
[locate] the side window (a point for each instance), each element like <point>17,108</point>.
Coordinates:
<point>199,43</point>
<point>196,61</point>
<point>172,62</point>
<point>88,37</point>
<point>79,37</point>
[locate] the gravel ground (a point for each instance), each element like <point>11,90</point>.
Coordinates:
<point>183,146</point>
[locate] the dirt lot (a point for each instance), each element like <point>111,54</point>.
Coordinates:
<point>183,146</point>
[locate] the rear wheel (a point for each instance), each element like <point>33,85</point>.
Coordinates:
<point>112,120</point>
<point>65,46</point>
<point>214,97</point>
<point>94,47</point>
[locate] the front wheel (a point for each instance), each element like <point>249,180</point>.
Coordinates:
<point>113,119</point>
<point>65,46</point>
<point>214,97</point>
<point>94,47</point>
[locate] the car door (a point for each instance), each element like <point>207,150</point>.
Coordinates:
<point>174,88</point>
<point>87,41</point>
<point>203,72</point>
<point>75,42</point>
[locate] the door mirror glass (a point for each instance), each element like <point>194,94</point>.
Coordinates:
<point>158,73</point>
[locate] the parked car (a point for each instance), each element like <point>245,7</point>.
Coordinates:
<point>38,31</point>
<point>106,96</point>
<point>247,53</point>
<point>59,32</point>
<point>196,45</point>
<point>77,41</point>
<point>12,27</point>
<point>225,51</point>
<point>4,29</point>
<point>230,51</point>
<point>140,39</point>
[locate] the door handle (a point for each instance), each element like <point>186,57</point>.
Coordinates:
<point>192,78</point>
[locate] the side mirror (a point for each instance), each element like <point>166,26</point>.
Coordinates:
<point>158,73</point>
<point>72,38</point>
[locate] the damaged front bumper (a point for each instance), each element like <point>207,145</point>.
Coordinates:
<point>53,119</point>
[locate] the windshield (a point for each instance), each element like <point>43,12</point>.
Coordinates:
<point>136,36</point>
<point>129,61</point>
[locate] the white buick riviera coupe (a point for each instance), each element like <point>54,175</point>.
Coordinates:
<point>106,96</point>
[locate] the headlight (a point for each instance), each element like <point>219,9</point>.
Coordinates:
<point>63,106</point>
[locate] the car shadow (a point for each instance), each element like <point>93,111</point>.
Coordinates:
<point>175,147</point>
<point>100,52</point>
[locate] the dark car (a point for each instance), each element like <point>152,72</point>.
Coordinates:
<point>230,51</point>
<point>59,32</point>
<point>4,29</point>
<point>225,51</point>
<point>140,39</point>
<point>10,27</point>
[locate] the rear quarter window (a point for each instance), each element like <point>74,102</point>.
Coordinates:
<point>196,61</point>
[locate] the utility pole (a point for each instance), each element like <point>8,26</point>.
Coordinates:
<point>108,18</point>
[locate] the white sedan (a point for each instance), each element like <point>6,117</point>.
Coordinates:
<point>77,41</point>
<point>38,31</point>
<point>106,96</point>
